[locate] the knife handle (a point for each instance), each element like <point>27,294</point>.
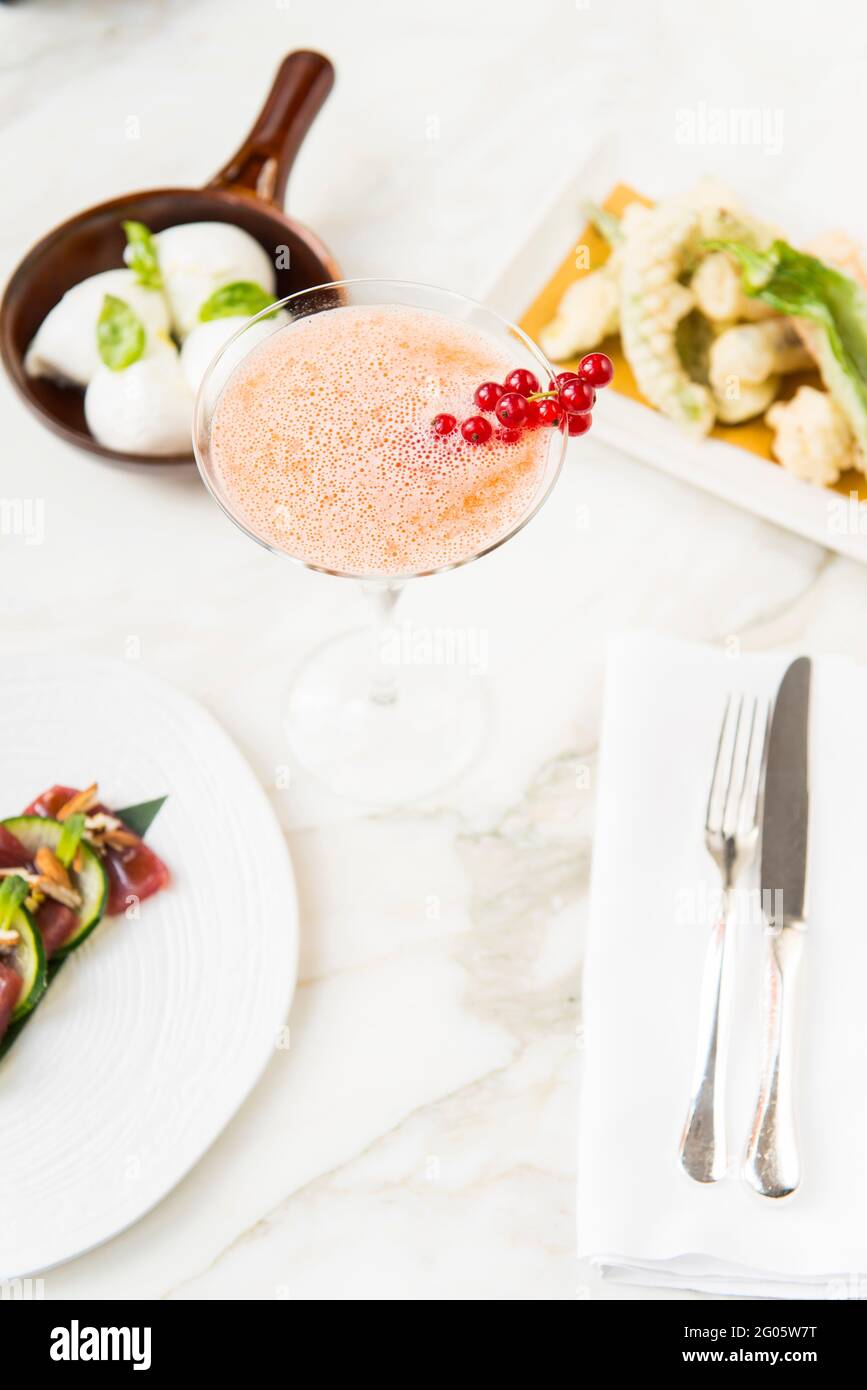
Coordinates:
<point>703,1150</point>
<point>772,1166</point>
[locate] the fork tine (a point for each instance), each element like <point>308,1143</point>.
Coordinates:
<point>733,786</point>
<point>711,820</point>
<point>746,797</point>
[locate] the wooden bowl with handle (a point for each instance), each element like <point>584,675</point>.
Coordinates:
<point>248,191</point>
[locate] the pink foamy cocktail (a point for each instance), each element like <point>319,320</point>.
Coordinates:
<point>322,445</point>
<point>314,430</point>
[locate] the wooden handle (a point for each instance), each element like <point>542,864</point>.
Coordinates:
<point>263,163</point>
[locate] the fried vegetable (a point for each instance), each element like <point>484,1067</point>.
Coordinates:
<point>716,286</point>
<point>744,400</point>
<point>802,286</point>
<point>812,438</point>
<point>586,315</point>
<point>590,309</point>
<point>652,304</point>
<point>752,352</point>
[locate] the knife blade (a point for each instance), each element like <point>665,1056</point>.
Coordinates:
<point>772,1166</point>
<point>785,817</point>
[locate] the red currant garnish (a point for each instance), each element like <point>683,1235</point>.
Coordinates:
<point>476,430</point>
<point>444,424</point>
<point>562,378</point>
<point>487,395</point>
<point>522,381</point>
<point>513,409</point>
<point>549,412</point>
<point>579,424</point>
<point>596,368</point>
<point>507,436</point>
<point>578,396</point>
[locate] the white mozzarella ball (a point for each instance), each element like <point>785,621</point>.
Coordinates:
<point>202,345</point>
<point>145,409</point>
<point>197,258</point>
<point>65,345</point>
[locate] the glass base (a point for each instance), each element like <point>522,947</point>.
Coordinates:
<point>382,734</point>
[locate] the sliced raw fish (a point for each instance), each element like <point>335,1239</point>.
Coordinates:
<point>49,803</point>
<point>133,872</point>
<point>13,855</point>
<point>56,923</point>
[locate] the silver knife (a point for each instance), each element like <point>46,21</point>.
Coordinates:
<point>772,1166</point>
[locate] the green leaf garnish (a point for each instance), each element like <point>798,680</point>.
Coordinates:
<point>67,845</point>
<point>140,817</point>
<point>241,299</point>
<point>141,255</point>
<point>120,335</point>
<point>802,286</point>
<point>12,895</point>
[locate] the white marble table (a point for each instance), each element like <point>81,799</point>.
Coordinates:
<point>417,1139</point>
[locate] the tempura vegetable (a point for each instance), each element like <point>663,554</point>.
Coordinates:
<point>812,439</point>
<point>588,312</point>
<point>744,400</point>
<point>802,286</point>
<point>719,294</point>
<point>752,352</point>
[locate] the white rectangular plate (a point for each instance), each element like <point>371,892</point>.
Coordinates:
<point>722,469</point>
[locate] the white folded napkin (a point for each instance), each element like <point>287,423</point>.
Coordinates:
<point>654,893</point>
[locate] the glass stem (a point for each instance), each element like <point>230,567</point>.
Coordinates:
<point>385,656</point>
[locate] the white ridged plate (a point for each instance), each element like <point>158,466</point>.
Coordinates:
<point>156,1030</point>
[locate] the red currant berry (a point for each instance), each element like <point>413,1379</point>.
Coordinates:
<point>577,396</point>
<point>487,395</point>
<point>550,412</point>
<point>596,368</point>
<point>444,424</point>
<point>513,409</point>
<point>562,378</point>
<point>579,424</point>
<point>476,430</point>
<point>507,436</point>
<point>522,381</point>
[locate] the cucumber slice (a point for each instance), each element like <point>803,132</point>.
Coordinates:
<point>28,959</point>
<point>92,882</point>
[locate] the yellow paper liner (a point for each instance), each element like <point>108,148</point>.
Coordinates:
<point>589,251</point>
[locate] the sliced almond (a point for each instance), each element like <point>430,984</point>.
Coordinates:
<point>50,866</point>
<point>100,821</point>
<point>8,939</point>
<point>120,839</point>
<point>59,892</point>
<point>19,873</point>
<point>82,801</point>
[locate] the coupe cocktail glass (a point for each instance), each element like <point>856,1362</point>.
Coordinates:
<point>313,432</point>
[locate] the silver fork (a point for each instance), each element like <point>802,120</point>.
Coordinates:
<point>731,833</point>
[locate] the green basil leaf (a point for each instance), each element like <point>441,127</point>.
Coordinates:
<point>241,299</point>
<point>141,255</point>
<point>120,335</point>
